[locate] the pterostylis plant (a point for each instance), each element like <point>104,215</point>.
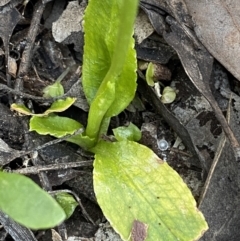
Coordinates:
<point>132,185</point>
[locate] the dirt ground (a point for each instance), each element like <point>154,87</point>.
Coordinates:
<point>41,39</point>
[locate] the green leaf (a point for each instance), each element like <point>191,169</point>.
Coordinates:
<point>53,90</point>
<point>99,108</point>
<point>132,183</point>
<point>67,202</point>
<point>83,141</point>
<point>131,133</point>
<point>58,127</point>
<point>25,202</point>
<point>168,95</point>
<point>149,74</point>
<point>57,106</point>
<point>54,125</point>
<point>60,105</point>
<point>109,61</point>
<point>21,108</point>
<point>102,52</point>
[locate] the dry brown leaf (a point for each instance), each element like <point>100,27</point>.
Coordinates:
<point>217,25</point>
<point>142,27</point>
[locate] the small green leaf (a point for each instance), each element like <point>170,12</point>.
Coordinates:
<point>53,90</point>
<point>58,127</point>
<point>25,202</point>
<point>149,74</point>
<point>57,106</point>
<point>54,125</point>
<point>168,95</point>
<point>131,133</point>
<point>132,183</point>
<point>21,108</point>
<point>67,202</point>
<point>60,105</point>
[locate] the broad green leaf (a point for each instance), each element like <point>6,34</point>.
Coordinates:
<point>67,202</point>
<point>130,132</point>
<point>54,125</point>
<point>53,90</point>
<point>132,183</point>
<point>57,106</point>
<point>109,51</point>
<point>25,202</point>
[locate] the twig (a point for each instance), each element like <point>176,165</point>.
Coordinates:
<point>38,98</point>
<point>35,149</point>
<point>217,156</point>
<point>50,143</point>
<point>52,167</point>
<point>180,152</point>
<point>36,160</point>
<point>32,33</point>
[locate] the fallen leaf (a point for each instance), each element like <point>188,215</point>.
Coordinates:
<point>220,199</point>
<point>217,25</point>
<point>8,21</point>
<point>142,28</point>
<point>197,63</point>
<point>55,235</point>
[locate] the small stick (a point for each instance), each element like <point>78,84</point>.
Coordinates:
<point>38,98</point>
<point>52,167</point>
